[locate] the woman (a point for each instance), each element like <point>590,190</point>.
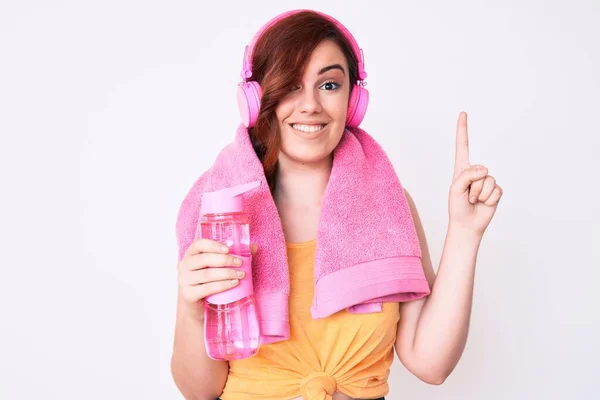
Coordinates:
<point>307,69</point>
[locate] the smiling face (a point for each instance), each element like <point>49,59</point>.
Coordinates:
<point>311,118</point>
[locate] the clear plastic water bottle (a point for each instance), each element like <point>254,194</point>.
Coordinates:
<point>231,330</point>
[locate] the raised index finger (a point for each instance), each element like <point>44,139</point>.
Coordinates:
<point>461,160</point>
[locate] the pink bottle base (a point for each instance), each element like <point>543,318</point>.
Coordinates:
<point>231,331</point>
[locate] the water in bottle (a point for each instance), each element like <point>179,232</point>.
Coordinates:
<point>231,330</point>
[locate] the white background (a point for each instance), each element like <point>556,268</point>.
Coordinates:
<point>109,111</point>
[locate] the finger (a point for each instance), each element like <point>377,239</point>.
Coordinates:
<point>494,197</point>
<point>461,158</point>
<point>475,190</point>
<point>253,248</point>
<point>206,246</point>
<point>204,260</point>
<point>202,291</point>
<point>487,189</point>
<point>467,177</point>
<point>208,275</point>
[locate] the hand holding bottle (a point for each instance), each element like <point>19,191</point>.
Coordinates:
<point>207,268</point>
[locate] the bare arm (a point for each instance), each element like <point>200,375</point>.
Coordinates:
<point>202,271</point>
<point>197,376</point>
<point>432,332</point>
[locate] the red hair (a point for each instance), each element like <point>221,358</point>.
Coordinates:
<point>278,62</point>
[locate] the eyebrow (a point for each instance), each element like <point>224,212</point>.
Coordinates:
<point>329,67</point>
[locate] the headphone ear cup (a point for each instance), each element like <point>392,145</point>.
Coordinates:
<point>357,106</point>
<point>248,99</point>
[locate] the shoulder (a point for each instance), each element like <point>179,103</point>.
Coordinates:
<point>425,255</point>
<point>413,209</point>
<point>409,199</point>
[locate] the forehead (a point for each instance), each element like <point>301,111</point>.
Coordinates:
<point>326,53</point>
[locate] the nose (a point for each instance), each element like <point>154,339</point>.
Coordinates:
<point>309,101</point>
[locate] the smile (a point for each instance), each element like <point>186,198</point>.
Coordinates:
<point>308,128</point>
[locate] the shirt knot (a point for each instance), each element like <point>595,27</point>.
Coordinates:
<point>318,386</point>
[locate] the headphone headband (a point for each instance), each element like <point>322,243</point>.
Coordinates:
<point>247,64</point>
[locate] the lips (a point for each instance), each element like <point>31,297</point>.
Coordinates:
<point>308,128</point>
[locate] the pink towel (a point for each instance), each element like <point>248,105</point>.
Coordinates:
<point>367,247</point>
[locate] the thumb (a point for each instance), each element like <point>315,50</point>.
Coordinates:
<point>468,176</point>
<point>253,248</point>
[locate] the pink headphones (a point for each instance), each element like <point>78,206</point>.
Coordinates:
<point>249,92</point>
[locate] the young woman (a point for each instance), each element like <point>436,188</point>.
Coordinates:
<point>307,67</point>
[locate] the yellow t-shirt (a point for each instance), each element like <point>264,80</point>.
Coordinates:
<point>345,352</point>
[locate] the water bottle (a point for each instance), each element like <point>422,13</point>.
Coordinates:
<point>231,330</point>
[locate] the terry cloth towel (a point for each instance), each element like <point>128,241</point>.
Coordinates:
<point>367,247</point>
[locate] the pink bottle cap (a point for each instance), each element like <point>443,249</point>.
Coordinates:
<point>228,200</point>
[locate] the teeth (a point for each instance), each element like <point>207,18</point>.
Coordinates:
<point>308,128</point>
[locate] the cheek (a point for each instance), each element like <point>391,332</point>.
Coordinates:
<point>337,106</point>
<point>283,110</point>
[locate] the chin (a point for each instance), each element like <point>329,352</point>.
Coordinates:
<point>308,149</point>
<point>308,159</point>
<point>305,157</point>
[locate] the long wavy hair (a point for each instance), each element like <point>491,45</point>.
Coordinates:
<point>278,62</point>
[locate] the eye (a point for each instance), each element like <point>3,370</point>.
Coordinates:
<point>330,85</point>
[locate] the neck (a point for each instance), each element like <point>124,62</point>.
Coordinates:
<point>302,184</point>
